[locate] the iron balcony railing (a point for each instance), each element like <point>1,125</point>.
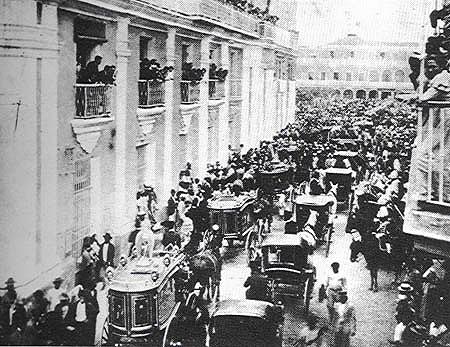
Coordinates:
<point>236,88</point>
<point>93,100</point>
<point>151,93</point>
<point>190,92</point>
<point>216,89</point>
<point>212,10</point>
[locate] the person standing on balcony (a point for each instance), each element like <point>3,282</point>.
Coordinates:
<point>92,70</point>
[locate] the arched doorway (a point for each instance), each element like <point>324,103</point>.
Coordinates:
<point>385,95</point>
<point>336,93</point>
<point>361,94</point>
<point>373,94</point>
<point>348,94</point>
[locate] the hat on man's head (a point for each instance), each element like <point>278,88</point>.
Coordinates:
<point>107,236</point>
<point>141,213</point>
<point>405,288</point>
<point>147,186</point>
<point>58,280</point>
<point>10,281</point>
<point>169,224</point>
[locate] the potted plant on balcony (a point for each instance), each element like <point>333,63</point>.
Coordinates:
<point>218,74</point>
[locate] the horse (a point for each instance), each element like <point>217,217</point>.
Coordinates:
<point>206,267</point>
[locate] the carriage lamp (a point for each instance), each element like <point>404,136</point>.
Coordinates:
<point>155,276</point>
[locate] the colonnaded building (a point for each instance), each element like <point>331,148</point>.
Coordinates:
<point>353,67</point>
<point>73,154</point>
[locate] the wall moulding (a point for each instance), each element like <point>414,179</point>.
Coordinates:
<point>88,131</point>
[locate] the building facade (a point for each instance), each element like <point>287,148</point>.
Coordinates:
<point>74,154</point>
<point>352,67</point>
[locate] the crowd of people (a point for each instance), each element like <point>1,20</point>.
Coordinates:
<point>381,132</point>
<point>252,9</point>
<point>91,73</point>
<point>150,69</point>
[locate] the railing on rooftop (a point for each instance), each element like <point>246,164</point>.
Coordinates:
<point>212,10</point>
<point>235,88</point>
<point>434,150</point>
<point>216,89</point>
<point>190,92</point>
<point>151,92</point>
<point>93,100</point>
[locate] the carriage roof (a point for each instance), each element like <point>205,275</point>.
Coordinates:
<point>277,239</point>
<point>338,171</point>
<point>347,154</point>
<point>250,308</point>
<point>137,275</point>
<point>277,168</point>
<point>314,200</point>
<point>228,202</point>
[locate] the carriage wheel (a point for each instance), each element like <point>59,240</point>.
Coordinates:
<point>250,246</point>
<point>307,294</point>
<point>105,334</point>
<point>169,337</point>
<point>328,240</point>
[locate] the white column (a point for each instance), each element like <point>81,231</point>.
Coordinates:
<point>224,135</point>
<point>203,110</point>
<point>269,112</point>
<point>49,142</point>
<point>122,53</point>
<point>245,109</point>
<point>96,194</point>
<point>150,160</point>
<point>168,117</point>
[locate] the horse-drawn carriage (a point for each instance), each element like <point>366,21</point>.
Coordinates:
<point>233,214</point>
<point>250,323</point>
<point>151,294</point>
<point>344,178</point>
<point>315,212</point>
<point>142,299</point>
<point>274,179</point>
<point>284,261</point>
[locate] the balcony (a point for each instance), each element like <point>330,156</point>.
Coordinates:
<point>190,92</point>
<point>267,30</point>
<point>433,145</point>
<point>236,88</point>
<point>216,89</point>
<point>151,93</point>
<point>212,11</point>
<point>93,100</point>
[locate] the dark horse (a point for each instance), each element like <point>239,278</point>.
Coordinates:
<point>206,267</point>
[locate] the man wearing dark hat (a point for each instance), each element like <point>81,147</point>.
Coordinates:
<point>7,301</point>
<point>107,251</point>
<point>170,235</point>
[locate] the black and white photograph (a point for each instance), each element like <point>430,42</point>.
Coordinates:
<point>225,173</point>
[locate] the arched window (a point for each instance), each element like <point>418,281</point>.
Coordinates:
<point>373,94</point>
<point>374,76</point>
<point>387,76</point>
<point>399,76</point>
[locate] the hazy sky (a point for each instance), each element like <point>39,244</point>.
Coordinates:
<point>322,21</point>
